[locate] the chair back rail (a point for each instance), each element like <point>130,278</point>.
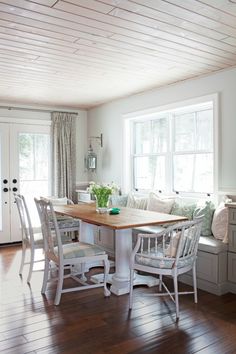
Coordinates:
<point>25,221</point>
<point>30,240</point>
<point>178,242</point>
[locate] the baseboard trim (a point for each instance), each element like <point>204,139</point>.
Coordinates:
<point>216,289</point>
<point>232,287</point>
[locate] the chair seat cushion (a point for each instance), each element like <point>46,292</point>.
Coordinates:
<point>158,260</point>
<point>211,245</point>
<point>80,249</point>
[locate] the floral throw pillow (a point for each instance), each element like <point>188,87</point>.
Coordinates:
<point>207,210</point>
<point>183,210</point>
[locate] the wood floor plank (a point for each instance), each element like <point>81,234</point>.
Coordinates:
<point>87,323</point>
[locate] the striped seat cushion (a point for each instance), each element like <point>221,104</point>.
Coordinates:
<point>80,249</point>
<point>66,222</point>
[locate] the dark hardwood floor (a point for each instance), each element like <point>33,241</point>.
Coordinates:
<point>86,322</point>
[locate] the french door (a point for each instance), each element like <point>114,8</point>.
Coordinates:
<point>25,169</point>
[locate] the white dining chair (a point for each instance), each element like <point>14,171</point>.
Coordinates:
<point>33,240</point>
<point>66,223</point>
<point>170,252</point>
<point>68,256</point>
<point>30,240</point>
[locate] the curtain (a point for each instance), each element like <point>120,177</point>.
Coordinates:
<point>63,154</point>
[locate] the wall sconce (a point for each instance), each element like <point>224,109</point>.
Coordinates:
<point>91,158</point>
<point>97,138</point>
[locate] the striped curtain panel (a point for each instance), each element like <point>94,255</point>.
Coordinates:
<point>63,154</point>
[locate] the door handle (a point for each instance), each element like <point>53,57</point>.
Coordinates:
<point>5,181</point>
<point>5,189</point>
<point>14,189</point>
<point>14,180</point>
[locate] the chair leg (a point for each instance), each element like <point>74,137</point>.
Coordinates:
<point>45,275</point>
<point>59,285</point>
<point>106,272</point>
<point>160,282</point>
<point>82,268</point>
<point>195,283</point>
<point>176,296</point>
<point>131,289</point>
<point>32,252</point>
<point>22,258</point>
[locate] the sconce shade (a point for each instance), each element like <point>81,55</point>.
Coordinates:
<point>91,159</point>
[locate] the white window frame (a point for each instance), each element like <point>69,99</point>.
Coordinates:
<point>127,182</point>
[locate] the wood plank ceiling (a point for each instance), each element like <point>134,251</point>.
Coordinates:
<point>81,53</point>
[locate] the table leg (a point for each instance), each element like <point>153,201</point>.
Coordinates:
<point>121,279</point>
<point>86,232</point>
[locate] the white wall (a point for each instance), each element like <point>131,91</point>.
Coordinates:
<point>81,132</point>
<point>107,119</point>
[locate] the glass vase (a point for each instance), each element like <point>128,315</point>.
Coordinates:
<point>102,205</point>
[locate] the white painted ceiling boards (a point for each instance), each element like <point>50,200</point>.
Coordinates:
<point>81,53</point>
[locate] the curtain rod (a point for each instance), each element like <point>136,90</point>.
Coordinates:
<point>34,109</point>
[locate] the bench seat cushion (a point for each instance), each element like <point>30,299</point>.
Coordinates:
<point>152,229</point>
<point>211,245</point>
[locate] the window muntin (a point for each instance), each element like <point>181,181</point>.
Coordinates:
<point>174,151</point>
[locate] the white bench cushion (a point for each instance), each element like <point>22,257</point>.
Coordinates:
<point>148,229</point>
<point>211,245</point>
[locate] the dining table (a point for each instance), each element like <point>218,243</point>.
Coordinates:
<point>122,225</point>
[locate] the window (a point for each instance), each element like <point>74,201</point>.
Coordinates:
<point>173,150</point>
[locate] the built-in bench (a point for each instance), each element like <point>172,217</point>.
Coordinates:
<point>216,262</point>
<point>211,266</point>
<point>212,261</point>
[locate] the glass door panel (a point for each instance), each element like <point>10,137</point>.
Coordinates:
<point>34,150</point>
<point>25,165</point>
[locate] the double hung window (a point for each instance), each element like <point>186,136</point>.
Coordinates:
<point>173,151</point>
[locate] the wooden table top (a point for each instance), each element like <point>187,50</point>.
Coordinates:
<point>128,217</point>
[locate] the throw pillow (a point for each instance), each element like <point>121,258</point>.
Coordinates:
<point>158,204</point>
<point>136,201</point>
<point>173,246</point>
<point>207,210</point>
<point>219,225</point>
<point>183,210</point>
